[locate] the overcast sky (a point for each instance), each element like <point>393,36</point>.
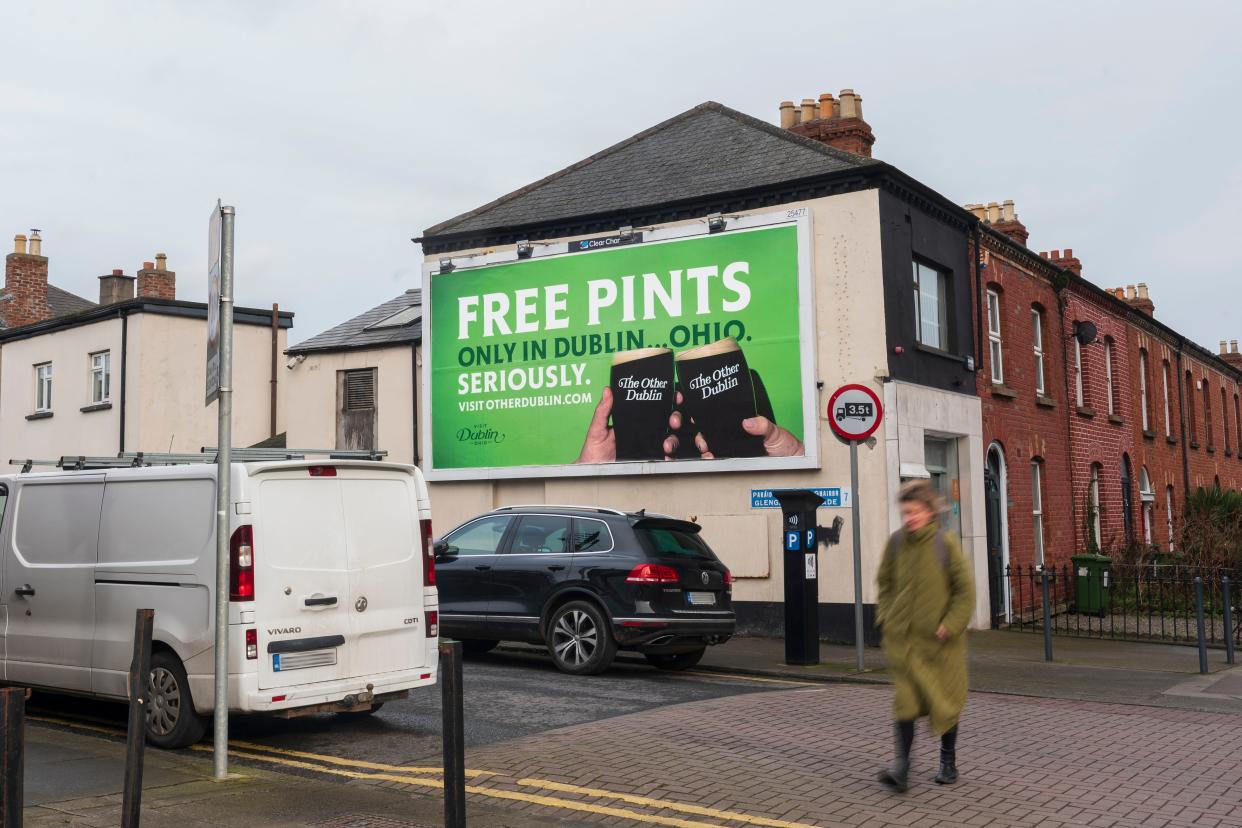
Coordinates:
<point>341,130</point>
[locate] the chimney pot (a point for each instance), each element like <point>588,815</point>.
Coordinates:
<point>1056,254</point>
<point>116,271</point>
<point>993,212</point>
<point>161,261</point>
<point>148,265</point>
<point>825,106</point>
<point>19,244</point>
<point>1069,253</point>
<point>787,114</point>
<point>849,104</point>
<point>809,109</point>
<point>36,243</point>
<point>858,106</point>
<point>1130,292</point>
<point>1007,213</point>
<point>1142,290</point>
<point>1223,349</point>
<point>1233,346</point>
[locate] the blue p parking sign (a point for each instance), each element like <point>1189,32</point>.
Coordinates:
<point>793,541</point>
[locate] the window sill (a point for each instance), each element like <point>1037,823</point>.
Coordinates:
<point>933,351</point>
<point>1193,444</point>
<point>1045,402</point>
<point>40,415</point>
<point>103,406</point>
<point>1172,440</point>
<point>1149,435</point>
<point>1229,452</point>
<point>1115,420</point>
<point>999,389</point>
<point>1083,411</point>
<point>1211,449</point>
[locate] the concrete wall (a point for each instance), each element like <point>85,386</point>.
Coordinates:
<point>164,390</point>
<point>311,393</point>
<point>850,343</point>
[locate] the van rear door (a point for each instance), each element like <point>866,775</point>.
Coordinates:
<point>338,573</point>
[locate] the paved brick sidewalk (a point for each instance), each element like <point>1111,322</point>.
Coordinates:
<point>811,756</point>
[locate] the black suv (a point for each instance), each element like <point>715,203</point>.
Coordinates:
<point>585,582</point>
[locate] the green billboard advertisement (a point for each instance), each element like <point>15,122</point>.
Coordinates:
<point>685,353</point>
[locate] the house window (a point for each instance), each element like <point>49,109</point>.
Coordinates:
<point>1168,421</point>
<point>1078,397</point>
<point>994,338</point>
<point>1168,509</point>
<point>1143,390</point>
<point>1108,375</point>
<point>1189,394</point>
<point>1224,418</point>
<point>1037,509</point>
<point>931,306</point>
<point>1237,421</point>
<point>1037,341</point>
<point>43,387</point>
<point>1127,502</point>
<point>1147,497</point>
<point>1093,509</point>
<point>1208,436</point>
<point>101,377</point>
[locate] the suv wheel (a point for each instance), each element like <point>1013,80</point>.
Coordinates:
<point>675,661</point>
<point>579,640</point>
<point>171,720</point>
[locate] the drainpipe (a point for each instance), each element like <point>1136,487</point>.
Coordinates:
<point>124,365</point>
<point>414,396</point>
<point>1181,415</point>
<point>275,357</point>
<point>1070,400</point>
<point>978,303</point>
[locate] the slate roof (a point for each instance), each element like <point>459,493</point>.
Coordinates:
<point>354,334</point>
<point>62,302</point>
<point>704,151</point>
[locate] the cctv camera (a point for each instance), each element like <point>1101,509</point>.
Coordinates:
<point>293,361</point>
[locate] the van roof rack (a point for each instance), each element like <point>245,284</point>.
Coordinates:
<point>600,509</point>
<point>139,459</point>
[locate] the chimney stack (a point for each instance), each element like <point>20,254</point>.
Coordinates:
<point>1231,355</point>
<point>157,281</point>
<point>1002,218</point>
<point>1067,262</point>
<point>25,279</point>
<point>1139,299</point>
<point>115,287</point>
<point>836,122</point>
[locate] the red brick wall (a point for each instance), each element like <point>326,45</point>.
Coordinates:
<point>1026,426</point>
<point>157,284</point>
<point>25,277</point>
<point>1210,459</point>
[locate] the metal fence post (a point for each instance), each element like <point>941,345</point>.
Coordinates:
<point>136,733</point>
<point>1203,663</point>
<point>454,734</point>
<point>12,758</point>
<point>1043,578</point>
<point>1228,599</point>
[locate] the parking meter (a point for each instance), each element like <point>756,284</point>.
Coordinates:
<point>800,541</point>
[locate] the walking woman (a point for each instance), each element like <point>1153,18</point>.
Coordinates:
<point>926,596</point>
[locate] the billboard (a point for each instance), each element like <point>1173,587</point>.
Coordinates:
<point>688,351</point>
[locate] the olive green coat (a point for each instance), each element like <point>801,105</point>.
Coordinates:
<point>918,592</point>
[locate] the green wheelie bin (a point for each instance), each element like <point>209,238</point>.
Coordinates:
<point>1091,581</point>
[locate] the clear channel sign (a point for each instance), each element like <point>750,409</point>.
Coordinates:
<point>854,412</point>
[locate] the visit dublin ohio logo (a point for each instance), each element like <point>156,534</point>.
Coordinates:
<point>480,435</point>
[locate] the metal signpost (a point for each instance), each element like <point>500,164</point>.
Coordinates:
<point>220,388</point>
<point>854,412</point>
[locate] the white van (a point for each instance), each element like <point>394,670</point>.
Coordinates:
<point>333,605</point>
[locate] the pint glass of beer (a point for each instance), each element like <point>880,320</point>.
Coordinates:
<point>718,393</point>
<point>642,400</point>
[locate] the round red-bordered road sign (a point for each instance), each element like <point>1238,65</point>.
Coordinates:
<point>854,412</point>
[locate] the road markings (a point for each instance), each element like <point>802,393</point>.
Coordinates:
<point>755,679</point>
<point>340,760</point>
<point>650,802</point>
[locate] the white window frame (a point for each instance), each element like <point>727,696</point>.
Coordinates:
<point>1093,501</point>
<point>43,388</point>
<point>1037,510</point>
<point>1168,420</point>
<point>1108,374</point>
<point>1078,399</point>
<point>941,329</point>
<point>101,369</point>
<point>1147,502</point>
<point>1037,342</point>
<point>1168,508</point>
<point>1143,388</point>
<point>996,349</point>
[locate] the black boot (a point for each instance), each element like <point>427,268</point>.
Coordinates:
<point>898,778</point>
<point>948,758</point>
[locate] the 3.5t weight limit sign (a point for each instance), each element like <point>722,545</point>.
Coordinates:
<point>854,412</point>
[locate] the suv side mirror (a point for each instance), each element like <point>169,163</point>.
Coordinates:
<point>441,549</point>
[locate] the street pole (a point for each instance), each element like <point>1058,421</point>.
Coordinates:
<point>224,443</point>
<point>858,598</point>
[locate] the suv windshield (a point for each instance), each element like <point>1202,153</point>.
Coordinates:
<point>669,541</point>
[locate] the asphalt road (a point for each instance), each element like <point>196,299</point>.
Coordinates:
<point>508,695</point>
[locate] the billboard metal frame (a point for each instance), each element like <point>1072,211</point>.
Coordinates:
<point>799,217</point>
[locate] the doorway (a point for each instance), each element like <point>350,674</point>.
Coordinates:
<point>996,508</point>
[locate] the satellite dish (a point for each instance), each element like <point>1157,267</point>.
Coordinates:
<point>1085,332</point>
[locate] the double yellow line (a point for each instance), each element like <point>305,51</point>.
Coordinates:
<point>427,777</point>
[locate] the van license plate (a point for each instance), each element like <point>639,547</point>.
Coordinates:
<point>701,599</point>
<point>282,662</point>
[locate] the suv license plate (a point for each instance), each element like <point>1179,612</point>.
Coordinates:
<point>701,599</point>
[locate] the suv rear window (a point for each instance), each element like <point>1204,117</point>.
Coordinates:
<point>667,541</point>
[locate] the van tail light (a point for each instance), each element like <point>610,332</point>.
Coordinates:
<point>653,574</point>
<point>433,623</point>
<point>252,644</point>
<point>429,555</point>
<point>322,471</point>
<point>728,578</point>
<point>241,564</point>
